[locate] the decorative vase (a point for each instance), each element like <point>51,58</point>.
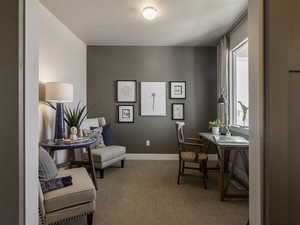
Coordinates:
<point>216,130</point>
<point>59,123</point>
<point>73,133</point>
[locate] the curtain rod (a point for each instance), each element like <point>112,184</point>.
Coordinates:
<point>238,22</point>
<point>235,25</point>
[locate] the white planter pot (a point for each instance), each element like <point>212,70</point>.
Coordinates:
<point>216,130</point>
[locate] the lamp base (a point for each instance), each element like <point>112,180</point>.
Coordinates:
<point>59,123</point>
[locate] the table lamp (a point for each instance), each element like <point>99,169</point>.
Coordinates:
<point>59,93</point>
<point>223,101</point>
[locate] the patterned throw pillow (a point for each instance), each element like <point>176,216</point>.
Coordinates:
<point>56,183</point>
<point>97,134</point>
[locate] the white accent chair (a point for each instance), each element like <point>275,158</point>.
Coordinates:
<point>104,156</point>
<point>69,203</point>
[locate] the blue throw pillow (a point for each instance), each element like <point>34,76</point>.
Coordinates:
<point>107,135</point>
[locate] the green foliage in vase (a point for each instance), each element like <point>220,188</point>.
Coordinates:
<point>215,123</point>
<point>74,117</point>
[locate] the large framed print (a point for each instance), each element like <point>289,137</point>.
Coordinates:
<point>126,91</point>
<point>178,111</point>
<point>177,89</point>
<point>125,113</point>
<point>153,99</point>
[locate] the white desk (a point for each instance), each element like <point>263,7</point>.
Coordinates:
<point>224,149</point>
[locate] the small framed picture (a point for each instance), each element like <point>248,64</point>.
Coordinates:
<point>126,91</point>
<point>178,111</point>
<point>177,89</point>
<point>125,113</point>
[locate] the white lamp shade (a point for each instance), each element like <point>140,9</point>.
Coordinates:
<point>58,92</point>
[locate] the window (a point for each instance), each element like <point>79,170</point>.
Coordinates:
<point>239,86</point>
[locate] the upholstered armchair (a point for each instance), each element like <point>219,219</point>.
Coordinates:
<point>71,202</point>
<point>106,155</point>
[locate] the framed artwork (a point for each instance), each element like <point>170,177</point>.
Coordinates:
<point>125,113</point>
<point>153,99</point>
<point>126,91</point>
<point>178,111</point>
<point>177,89</point>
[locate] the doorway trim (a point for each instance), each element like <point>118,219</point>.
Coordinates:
<point>256,137</point>
<point>30,114</point>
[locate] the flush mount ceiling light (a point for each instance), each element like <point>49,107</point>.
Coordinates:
<point>150,13</point>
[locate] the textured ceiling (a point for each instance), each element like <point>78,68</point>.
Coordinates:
<point>119,22</point>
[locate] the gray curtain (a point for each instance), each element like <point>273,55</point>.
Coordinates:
<point>223,77</point>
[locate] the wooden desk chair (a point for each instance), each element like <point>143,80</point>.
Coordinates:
<point>190,150</point>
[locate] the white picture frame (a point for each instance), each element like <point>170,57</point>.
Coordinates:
<point>177,89</point>
<point>153,99</point>
<point>126,91</point>
<point>125,113</point>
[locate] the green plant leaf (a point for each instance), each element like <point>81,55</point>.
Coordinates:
<point>74,117</point>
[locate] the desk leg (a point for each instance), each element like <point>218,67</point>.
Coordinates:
<point>231,170</point>
<point>222,171</point>
<point>91,161</point>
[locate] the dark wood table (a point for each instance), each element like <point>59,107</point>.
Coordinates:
<point>224,150</point>
<point>52,146</point>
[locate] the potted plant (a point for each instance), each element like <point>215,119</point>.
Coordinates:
<point>215,126</point>
<point>73,116</point>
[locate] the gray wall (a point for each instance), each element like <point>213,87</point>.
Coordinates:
<point>10,125</point>
<point>198,66</point>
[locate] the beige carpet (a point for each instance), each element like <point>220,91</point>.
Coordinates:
<point>146,193</point>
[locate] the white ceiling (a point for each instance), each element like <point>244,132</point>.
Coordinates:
<point>119,22</point>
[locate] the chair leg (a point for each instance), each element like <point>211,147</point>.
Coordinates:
<point>206,169</point>
<point>204,174</point>
<point>204,182</point>
<point>183,167</point>
<point>90,218</point>
<point>101,173</point>
<point>179,172</point>
<point>123,163</point>
<point>200,167</point>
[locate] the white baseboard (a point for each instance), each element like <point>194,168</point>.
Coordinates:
<point>130,156</point>
<point>152,156</point>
